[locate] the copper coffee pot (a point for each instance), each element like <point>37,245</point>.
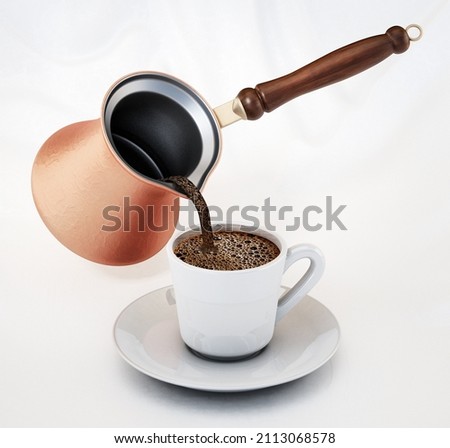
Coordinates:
<point>98,184</point>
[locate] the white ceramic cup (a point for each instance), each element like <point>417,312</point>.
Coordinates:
<point>231,315</point>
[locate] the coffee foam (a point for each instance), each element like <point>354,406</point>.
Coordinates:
<point>233,251</point>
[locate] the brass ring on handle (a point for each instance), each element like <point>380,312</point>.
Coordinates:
<point>413,26</point>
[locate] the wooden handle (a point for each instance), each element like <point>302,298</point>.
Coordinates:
<point>333,67</point>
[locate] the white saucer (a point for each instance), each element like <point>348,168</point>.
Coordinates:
<point>147,336</point>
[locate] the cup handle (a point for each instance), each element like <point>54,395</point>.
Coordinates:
<point>317,265</point>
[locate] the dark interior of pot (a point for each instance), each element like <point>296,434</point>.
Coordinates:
<point>155,136</point>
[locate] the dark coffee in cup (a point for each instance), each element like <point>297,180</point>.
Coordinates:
<point>234,251</point>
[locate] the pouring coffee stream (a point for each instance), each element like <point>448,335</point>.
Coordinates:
<point>193,194</point>
<point>152,126</point>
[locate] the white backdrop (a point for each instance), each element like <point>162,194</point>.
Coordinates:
<point>378,143</point>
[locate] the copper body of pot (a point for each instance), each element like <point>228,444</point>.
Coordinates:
<point>81,192</point>
<point>96,188</point>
